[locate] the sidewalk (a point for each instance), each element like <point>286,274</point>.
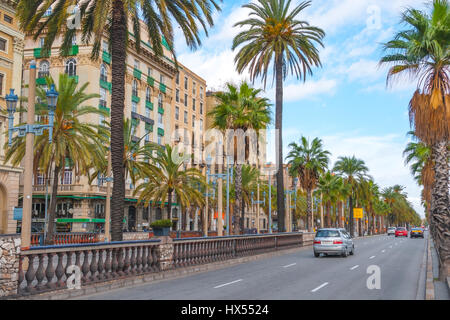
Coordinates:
<point>441,289</point>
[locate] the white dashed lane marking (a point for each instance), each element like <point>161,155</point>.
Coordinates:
<point>319,287</point>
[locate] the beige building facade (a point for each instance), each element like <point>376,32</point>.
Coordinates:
<point>11,51</point>
<point>150,104</point>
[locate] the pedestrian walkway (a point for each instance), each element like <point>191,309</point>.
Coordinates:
<point>441,290</point>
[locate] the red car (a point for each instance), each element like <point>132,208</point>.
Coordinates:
<point>401,232</point>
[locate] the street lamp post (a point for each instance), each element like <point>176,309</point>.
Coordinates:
<point>108,179</point>
<point>289,207</point>
<point>29,131</point>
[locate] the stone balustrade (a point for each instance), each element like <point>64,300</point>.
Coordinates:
<point>48,268</point>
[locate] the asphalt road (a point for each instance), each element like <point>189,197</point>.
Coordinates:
<point>300,275</point>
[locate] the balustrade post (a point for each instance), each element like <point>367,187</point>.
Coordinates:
<point>85,267</point>
<point>29,276</point>
<point>60,271</point>
<point>94,266</point>
<point>50,271</point>
<point>40,274</point>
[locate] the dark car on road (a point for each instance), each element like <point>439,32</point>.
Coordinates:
<point>416,233</point>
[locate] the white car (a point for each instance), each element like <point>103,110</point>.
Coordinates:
<point>391,230</point>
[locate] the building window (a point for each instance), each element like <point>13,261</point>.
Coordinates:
<point>193,104</point>
<point>160,118</point>
<point>1,83</point>
<point>160,101</point>
<point>177,95</point>
<point>105,46</point>
<point>135,88</point>
<point>201,124</point>
<point>103,97</point>
<point>201,92</point>
<point>148,94</point>
<point>3,44</point>
<point>67,177</point>
<point>133,130</point>
<point>185,83</point>
<point>41,41</point>
<point>149,71</point>
<point>159,139</point>
<point>8,18</point>
<point>201,107</point>
<point>134,106</point>
<point>71,67</point>
<point>185,117</point>
<point>185,100</point>
<point>193,121</point>
<point>74,40</point>
<point>136,64</point>
<point>48,12</point>
<point>147,112</point>
<point>178,78</point>
<point>177,113</point>
<point>103,73</point>
<point>161,79</point>
<point>193,88</point>
<point>147,135</point>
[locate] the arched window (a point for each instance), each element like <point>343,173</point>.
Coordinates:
<point>44,69</point>
<point>135,88</point>
<point>160,101</point>
<point>71,67</point>
<point>103,72</point>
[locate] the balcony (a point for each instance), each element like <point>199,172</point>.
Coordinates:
<point>137,73</point>
<point>105,84</point>
<point>73,51</point>
<point>150,81</point>
<point>38,53</point>
<point>149,127</point>
<point>106,57</point>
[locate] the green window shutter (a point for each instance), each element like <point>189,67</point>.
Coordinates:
<point>105,109</point>
<point>135,99</point>
<point>160,132</point>
<point>106,85</point>
<point>137,73</point>
<point>134,122</point>
<point>41,81</point>
<point>162,87</point>
<point>150,81</point>
<point>38,53</point>
<point>106,57</point>
<point>160,110</point>
<point>74,77</point>
<point>149,127</point>
<point>149,105</point>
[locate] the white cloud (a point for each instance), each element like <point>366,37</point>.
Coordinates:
<point>310,89</point>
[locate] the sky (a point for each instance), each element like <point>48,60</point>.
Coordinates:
<point>346,102</point>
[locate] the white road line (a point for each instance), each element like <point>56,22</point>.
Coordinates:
<point>372,257</point>
<point>319,287</point>
<point>289,265</point>
<point>354,267</point>
<point>225,284</point>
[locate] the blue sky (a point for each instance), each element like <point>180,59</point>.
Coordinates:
<point>346,102</point>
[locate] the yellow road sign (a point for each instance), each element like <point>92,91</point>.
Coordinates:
<point>357,213</point>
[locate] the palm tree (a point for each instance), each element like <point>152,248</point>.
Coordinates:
<point>421,51</point>
<point>352,170</point>
<point>329,186</point>
<point>166,177</point>
<point>275,34</point>
<point>307,161</point>
<point>240,108</point>
<point>112,17</point>
<point>418,155</point>
<point>73,138</point>
<point>369,193</point>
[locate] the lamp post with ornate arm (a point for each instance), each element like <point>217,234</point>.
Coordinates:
<point>258,202</point>
<point>29,130</point>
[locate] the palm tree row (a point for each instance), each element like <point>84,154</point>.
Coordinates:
<point>421,51</point>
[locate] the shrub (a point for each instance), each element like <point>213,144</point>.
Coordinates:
<point>161,223</point>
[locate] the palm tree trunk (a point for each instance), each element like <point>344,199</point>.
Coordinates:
<point>440,210</point>
<point>238,221</point>
<point>118,54</point>
<point>328,215</point>
<point>279,160</point>
<point>169,202</point>
<point>352,233</point>
<point>308,209</point>
<point>52,209</point>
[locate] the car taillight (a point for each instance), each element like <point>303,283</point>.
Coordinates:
<point>316,241</point>
<point>337,242</point>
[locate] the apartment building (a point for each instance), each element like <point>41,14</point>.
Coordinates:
<point>11,51</point>
<point>152,91</point>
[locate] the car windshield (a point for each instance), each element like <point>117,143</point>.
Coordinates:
<point>327,233</point>
<point>401,229</point>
